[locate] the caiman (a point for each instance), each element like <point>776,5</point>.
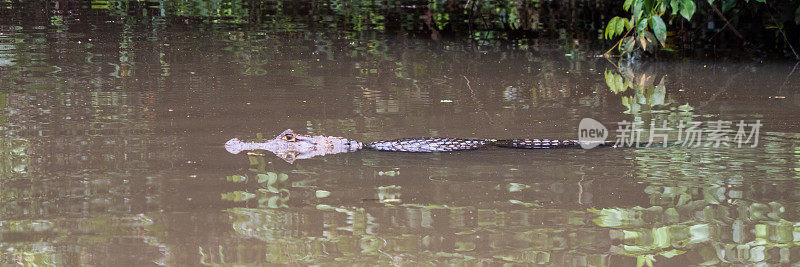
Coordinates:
<point>291,146</point>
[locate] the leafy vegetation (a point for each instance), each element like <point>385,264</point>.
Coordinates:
<point>648,26</point>
<point>645,29</point>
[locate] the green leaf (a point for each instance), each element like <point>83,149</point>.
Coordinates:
<point>710,2</point>
<point>609,79</point>
<point>757,254</point>
<point>630,24</point>
<point>687,9</point>
<point>273,202</point>
<point>236,178</point>
<point>619,82</point>
<point>628,44</point>
<point>613,85</point>
<point>322,193</point>
<point>611,27</point>
<point>641,27</point>
<point>635,249</point>
<point>728,5</point>
<point>272,178</point>
<point>646,39</point>
<point>262,178</point>
<point>672,253</point>
<point>637,9</point>
<point>797,15</point>
<point>621,25</point>
<point>237,196</point>
<point>699,233</point>
<point>673,4</point>
<point>762,1</point>
<point>627,5</point>
<point>659,28</point>
<point>643,260</point>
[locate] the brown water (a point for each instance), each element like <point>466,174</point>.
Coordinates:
<point>112,154</point>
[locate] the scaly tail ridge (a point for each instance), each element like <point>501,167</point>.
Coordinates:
<point>428,144</point>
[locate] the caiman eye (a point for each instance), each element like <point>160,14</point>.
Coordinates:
<point>288,137</point>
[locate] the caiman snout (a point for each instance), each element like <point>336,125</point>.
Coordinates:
<point>234,146</point>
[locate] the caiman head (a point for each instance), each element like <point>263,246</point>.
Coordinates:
<point>291,146</point>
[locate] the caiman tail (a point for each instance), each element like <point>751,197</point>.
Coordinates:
<point>550,144</point>
<point>429,144</point>
<point>433,144</point>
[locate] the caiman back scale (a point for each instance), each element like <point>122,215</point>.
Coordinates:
<point>291,146</point>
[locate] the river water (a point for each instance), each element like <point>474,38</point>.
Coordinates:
<point>112,150</point>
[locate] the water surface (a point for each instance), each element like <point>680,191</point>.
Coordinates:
<point>112,151</point>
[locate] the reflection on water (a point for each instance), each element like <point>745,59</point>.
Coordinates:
<point>112,150</point>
